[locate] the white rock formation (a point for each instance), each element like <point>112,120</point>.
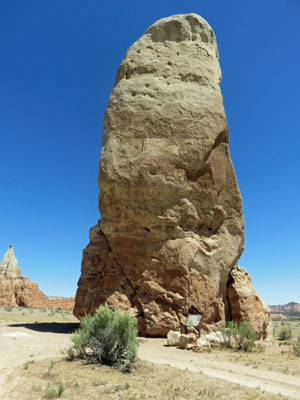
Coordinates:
<point>9,264</point>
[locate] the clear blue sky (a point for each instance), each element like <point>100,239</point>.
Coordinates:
<point>58,64</point>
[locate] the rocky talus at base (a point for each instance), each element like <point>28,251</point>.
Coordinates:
<point>172,227</point>
<point>16,290</point>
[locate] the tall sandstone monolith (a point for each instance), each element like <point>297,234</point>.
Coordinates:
<point>171,227</point>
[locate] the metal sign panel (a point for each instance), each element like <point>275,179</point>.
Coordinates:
<point>193,320</point>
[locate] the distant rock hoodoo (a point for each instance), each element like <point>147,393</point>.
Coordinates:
<point>172,227</point>
<point>16,290</point>
<point>9,264</point>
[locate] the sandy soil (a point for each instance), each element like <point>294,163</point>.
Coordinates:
<point>20,343</point>
<point>154,350</point>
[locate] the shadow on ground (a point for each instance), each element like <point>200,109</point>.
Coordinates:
<point>50,327</point>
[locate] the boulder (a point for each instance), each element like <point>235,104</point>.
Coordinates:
<point>246,305</point>
<point>201,343</point>
<point>215,338</point>
<point>171,227</point>
<point>186,341</point>
<point>173,338</point>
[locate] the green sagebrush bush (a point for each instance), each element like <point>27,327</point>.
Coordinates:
<point>240,336</point>
<point>108,337</point>
<point>285,333</point>
<point>296,347</point>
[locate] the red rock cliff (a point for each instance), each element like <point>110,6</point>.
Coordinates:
<point>16,290</point>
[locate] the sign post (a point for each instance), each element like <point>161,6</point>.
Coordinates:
<point>194,321</point>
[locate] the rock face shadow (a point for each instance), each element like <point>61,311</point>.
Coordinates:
<point>51,327</point>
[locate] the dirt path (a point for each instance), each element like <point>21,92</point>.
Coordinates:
<point>19,344</point>
<point>154,350</point>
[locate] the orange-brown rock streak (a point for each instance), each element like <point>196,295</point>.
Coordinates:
<point>171,224</point>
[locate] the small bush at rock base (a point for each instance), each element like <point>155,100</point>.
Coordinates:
<point>108,337</point>
<point>240,336</point>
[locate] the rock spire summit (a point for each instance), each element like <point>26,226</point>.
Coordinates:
<point>9,264</point>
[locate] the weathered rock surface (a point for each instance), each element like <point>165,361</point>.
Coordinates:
<point>16,290</point>
<point>187,341</point>
<point>9,264</point>
<point>173,338</point>
<point>246,305</point>
<point>200,344</point>
<point>171,224</point>
<point>215,338</point>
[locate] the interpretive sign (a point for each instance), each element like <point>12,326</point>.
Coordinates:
<point>193,320</point>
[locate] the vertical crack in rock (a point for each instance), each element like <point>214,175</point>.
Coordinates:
<point>171,224</point>
<point>228,284</point>
<point>139,313</point>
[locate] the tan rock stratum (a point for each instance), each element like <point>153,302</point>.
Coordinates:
<point>171,224</point>
<point>246,305</point>
<point>16,290</point>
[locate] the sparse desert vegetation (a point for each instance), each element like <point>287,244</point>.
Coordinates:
<point>292,323</point>
<point>46,377</point>
<point>146,381</point>
<point>296,347</point>
<point>10,314</point>
<point>239,336</point>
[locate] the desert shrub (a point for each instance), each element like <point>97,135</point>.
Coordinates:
<point>60,389</point>
<point>8,308</point>
<point>240,336</point>
<point>109,337</point>
<point>260,348</point>
<point>48,373</point>
<point>285,333</point>
<point>36,388</point>
<point>51,392</point>
<point>296,347</point>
